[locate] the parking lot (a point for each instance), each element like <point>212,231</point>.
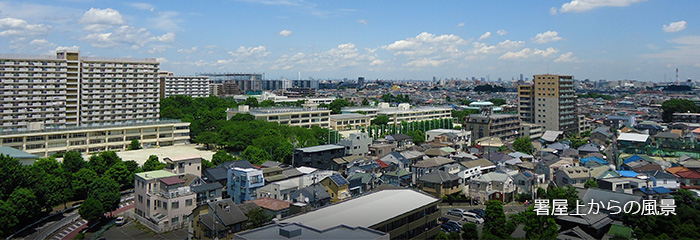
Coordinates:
<point>130,231</point>
<point>508,209</point>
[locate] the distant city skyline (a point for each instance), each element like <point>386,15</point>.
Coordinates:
<point>589,39</point>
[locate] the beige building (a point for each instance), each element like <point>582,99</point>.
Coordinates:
<point>162,200</point>
<point>403,112</point>
<point>302,117</point>
<point>349,121</point>
<point>531,130</point>
<point>191,164</point>
<point>193,86</point>
<point>66,90</point>
<point>90,139</point>
<point>504,126</point>
<point>550,103</point>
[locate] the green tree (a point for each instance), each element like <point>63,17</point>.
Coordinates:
<point>257,218</point>
<point>11,175</point>
<point>171,112</point>
<point>207,138</point>
<point>267,103</point>
<point>365,102</point>
<point>251,102</point>
<point>569,193</point>
<point>676,105</point>
<point>152,164</point>
<point>465,102</point>
<point>73,161</point>
<point>590,183</point>
<point>380,120</point>
<point>242,117</point>
<point>497,101</point>
<point>255,155</point>
<point>539,227</point>
<point>91,210</point>
<point>105,190</point>
<point>134,145</point>
<point>55,190</point>
<point>82,181</point>
<point>220,157</point>
<point>470,231</point>
<point>8,218</point>
<point>121,174</point>
<point>207,164</point>
<point>495,219</point>
<point>418,137</point>
<point>336,105</point>
<point>523,144</point>
<point>25,204</point>
<point>388,97</point>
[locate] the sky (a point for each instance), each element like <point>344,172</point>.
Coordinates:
<point>419,40</point>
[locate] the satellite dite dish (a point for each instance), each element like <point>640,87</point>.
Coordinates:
<point>306,199</point>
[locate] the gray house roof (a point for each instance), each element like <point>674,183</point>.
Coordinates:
<point>598,195</point>
<point>438,176</point>
<point>15,153</point>
<point>226,213</point>
<point>589,147</point>
<point>207,187</point>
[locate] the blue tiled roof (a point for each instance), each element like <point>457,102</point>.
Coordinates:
<point>596,159</point>
<point>628,173</point>
<point>632,159</point>
<point>655,190</point>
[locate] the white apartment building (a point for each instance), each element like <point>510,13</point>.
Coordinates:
<point>162,200</point>
<point>193,86</point>
<point>66,90</point>
<point>302,117</point>
<point>90,139</point>
<point>403,112</point>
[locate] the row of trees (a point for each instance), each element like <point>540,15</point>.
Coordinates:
<point>416,130</point>
<point>28,193</point>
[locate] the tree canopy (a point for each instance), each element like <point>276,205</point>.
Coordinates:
<point>523,144</point>
<point>380,120</point>
<point>495,219</point>
<point>676,105</point>
<point>497,101</point>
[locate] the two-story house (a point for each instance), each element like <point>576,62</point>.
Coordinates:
<point>493,186</point>
<point>338,187</point>
<point>217,220</point>
<point>575,176</point>
<point>474,168</point>
<point>356,144</point>
<point>162,200</point>
<point>440,183</point>
<point>318,156</point>
<point>243,183</point>
<point>184,164</point>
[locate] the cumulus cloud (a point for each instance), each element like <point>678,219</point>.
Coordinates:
<point>502,32</point>
<point>485,36</point>
<point>285,33</point>
<point>249,52</point>
<point>166,21</point>
<point>566,57</point>
<point>500,47</point>
<point>69,48</point>
<point>675,26</point>
<point>528,53</point>
<point>19,27</point>
<point>126,35</point>
<point>427,44</point>
<point>548,36</point>
<point>190,50</point>
<point>343,56</point>
<point>101,19</point>
<point>362,21</point>
<point>586,5</point>
<point>424,62</point>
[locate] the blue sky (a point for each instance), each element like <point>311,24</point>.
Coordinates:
<point>594,39</point>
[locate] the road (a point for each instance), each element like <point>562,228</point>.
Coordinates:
<point>44,231</point>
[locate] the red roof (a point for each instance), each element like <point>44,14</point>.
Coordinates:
<point>270,203</point>
<point>382,164</point>
<point>172,180</point>
<point>689,174</point>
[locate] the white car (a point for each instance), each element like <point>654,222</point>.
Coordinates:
<point>120,221</point>
<point>456,212</point>
<point>472,217</point>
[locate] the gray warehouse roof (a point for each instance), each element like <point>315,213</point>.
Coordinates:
<point>321,148</point>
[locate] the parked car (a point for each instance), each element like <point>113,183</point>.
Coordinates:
<point>120,221</point>
<point>443,219</point>
<point>455,225</point>
<point>449,227</point>
<point>479,212</point>
<point>456,212</point>
<point>472,217</point>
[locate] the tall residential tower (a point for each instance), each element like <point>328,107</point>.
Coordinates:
<point>549,102</point>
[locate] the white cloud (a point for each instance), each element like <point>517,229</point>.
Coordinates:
<point>685,50</point>
<point>553,11</point>
<point>460,24</point>
<point>500,47</point>
<point>69,48</point>
<point>585,5</point>
<point>162,60</point>
<point>19,27</point>
<point>502,32</point>
<point>485,36</point>
<point>126,35</point>
<point>566,57</point>
<point>343,56</point>
<point>101,19</point>
<point>191,50</point>
<point>674,26</point>
<point>166,21</point>
<point>249,52</point>
<point>423,62</point>
<point>528,53</point>
<point>143,6</point>
<point>548,36</point>
<point>427,44</point>
<point>285,33</point>
<point>362,21</point>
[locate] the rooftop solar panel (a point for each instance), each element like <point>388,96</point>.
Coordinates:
<point>339,180</point>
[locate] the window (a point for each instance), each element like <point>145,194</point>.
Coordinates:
<point>175,219</point>
<point>212,193</point>
<point>175,205</point>
<point>188,202</point>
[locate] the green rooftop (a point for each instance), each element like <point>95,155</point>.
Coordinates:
<point>155,174</point>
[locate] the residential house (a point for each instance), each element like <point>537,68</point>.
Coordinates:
<point>217,220</point>
<point>275,174</point>
<point>401,140</point>
<point>689,162</point>
<point>602,172</point>
<point>208,192</point>
<point>426,166</point>
<point>284,189</point>
<point>399,177</point>
<point>318,156</point>
<point>23,157</point>
<point>440,183</point>
<point>489,144</point>
<point>493,186</point>
<point>575,176</point>
<point>272,207</point>
<point>474,168</point>
<point>501,159</point>
<point>689,179</point>
<point>668,140</point>
<point>315,195</point>
<point>528,182</point>
<point>633,142</point>
<point>341,164</point>
<point>591,162</point>
<point>584,226</point>
<point>362,182</point>
<point>621,184</point>
<point>162,200</point>
<point>613,198</point>
<point>338,187</point>
<point>460,138</point>
<point>397,159</point>
<point>379,150</point>
<point>550,164</point>
<point>184,164</point>
<point>588,148</point>
<point>413,156</point>
<point>601,135</point>
<point>356,144</point>
<point>551,136</point>
<point>243,183</point>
